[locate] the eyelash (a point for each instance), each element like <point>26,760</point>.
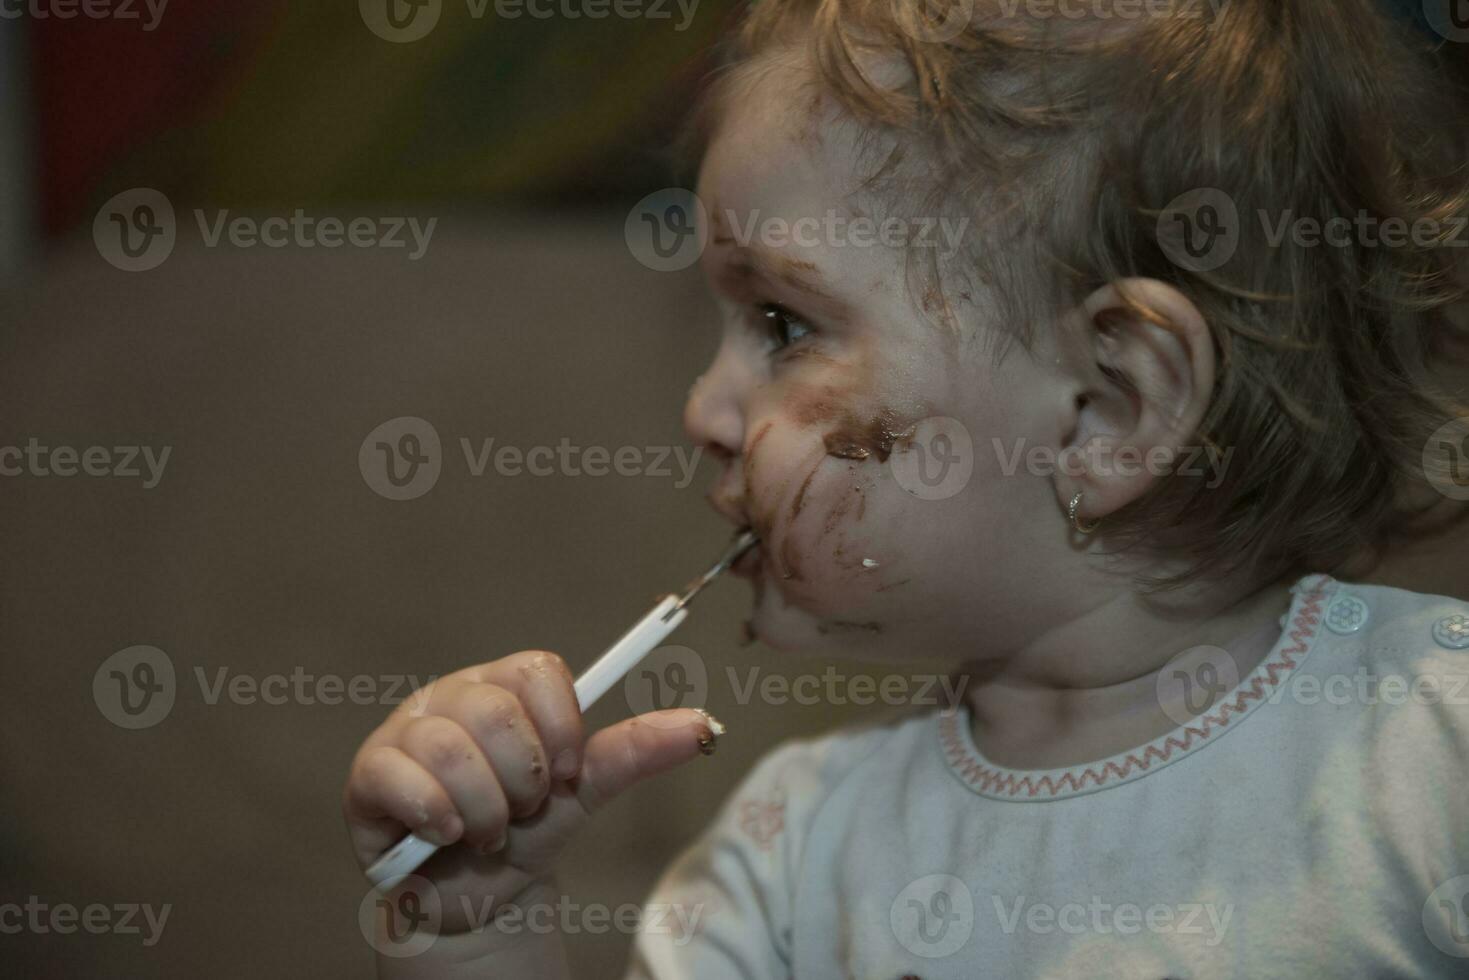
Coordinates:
<point>776,320</point>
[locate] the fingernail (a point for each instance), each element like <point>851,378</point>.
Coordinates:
<point>565,765</point>
<point>446,833</point>
<point>715,725</point>
<point>486,848</point>
<point>709,738</point>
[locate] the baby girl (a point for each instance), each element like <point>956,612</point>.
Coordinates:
<point>1195,371</point>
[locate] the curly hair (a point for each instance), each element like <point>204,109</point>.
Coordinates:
<point>1337,356</point>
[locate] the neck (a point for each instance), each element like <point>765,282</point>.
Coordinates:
<point>1090,686</point>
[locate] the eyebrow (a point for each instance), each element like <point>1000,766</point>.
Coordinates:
<point>753,262</point>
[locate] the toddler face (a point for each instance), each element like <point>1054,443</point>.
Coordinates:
<point>826,364</point>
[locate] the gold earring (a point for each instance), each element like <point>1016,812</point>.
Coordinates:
<point>1075,520</point>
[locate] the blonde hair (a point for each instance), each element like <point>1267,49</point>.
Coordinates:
<point>1328,357</point>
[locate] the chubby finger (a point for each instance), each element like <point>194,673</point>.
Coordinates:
<point>450,754</point>
<point>497,721</point>
<point>546,689</point>
<point>387,791</point>
<point>623,755</point>
<point>616,758</point>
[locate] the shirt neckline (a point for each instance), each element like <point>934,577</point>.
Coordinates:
<point>1300,627</point>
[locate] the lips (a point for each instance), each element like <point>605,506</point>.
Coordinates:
<point>747,564</point>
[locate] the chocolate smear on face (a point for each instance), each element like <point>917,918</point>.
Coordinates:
<point>859,438</point>
<point>842,624</point>
<point>789,566</point>
<point>800,500</point>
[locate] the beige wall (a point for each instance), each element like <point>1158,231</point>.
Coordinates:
<point>262,549</point>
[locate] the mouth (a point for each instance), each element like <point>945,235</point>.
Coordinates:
<point>748,564</point>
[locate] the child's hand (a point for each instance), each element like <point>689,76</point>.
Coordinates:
<point>494,759</point>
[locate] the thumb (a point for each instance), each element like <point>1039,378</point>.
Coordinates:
<point>622,755</point>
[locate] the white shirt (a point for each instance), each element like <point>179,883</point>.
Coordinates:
<point>1313,823</point>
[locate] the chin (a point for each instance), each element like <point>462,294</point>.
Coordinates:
<point>795,623</point>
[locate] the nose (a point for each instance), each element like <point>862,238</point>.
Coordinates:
<point>713,415</point>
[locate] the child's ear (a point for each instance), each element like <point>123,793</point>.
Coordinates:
<point>1141,397</point>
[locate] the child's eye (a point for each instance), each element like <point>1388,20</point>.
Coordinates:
<point>783,327</point>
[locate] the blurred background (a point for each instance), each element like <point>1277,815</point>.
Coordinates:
<point>265,545</point>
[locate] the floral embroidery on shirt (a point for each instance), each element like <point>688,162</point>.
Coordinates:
<point>764,819</point>
<point>697,904</point>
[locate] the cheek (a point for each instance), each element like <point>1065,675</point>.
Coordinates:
<point>832,521</point>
